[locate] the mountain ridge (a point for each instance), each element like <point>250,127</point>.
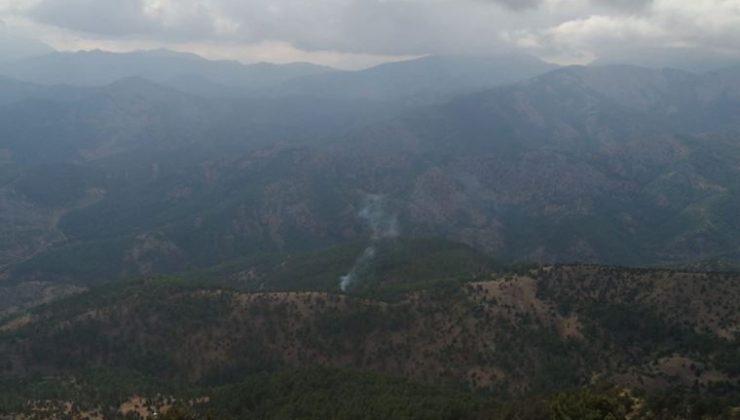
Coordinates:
<point>97,67</point>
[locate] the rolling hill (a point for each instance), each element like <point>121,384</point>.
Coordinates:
<point>506,334</point>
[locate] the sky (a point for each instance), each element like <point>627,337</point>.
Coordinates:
<point>360,33</point>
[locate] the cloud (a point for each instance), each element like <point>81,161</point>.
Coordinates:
<point>111,17</point>
<point>161,19</point>
<point>351,26</point>
<point>603,33</point>
<point>564,30</point>
<point>517,4</point>
<point>640,29</point>
<point>629,5</point>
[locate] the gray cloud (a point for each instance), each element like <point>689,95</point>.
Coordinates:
<point>629,5</point>
<point>517,4</point>
<point>559,29</point>
<point>357,26</point>
<point>111,17</point>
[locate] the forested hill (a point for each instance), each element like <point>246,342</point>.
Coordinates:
<point>499,337</point>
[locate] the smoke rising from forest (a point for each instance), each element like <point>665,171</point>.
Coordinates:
<point>382,225</point>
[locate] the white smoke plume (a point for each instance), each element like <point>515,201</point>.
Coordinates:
<point>382,226</point>
<point>361,264</point>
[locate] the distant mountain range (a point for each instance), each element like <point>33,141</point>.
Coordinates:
<point>685,58</point>
<point>96,68</point>
<point>425,79</point>
<point>618,165</point>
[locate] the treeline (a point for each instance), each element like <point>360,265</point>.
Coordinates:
<point>320,393</point>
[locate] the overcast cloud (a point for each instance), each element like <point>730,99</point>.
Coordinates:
<point>559,30</point>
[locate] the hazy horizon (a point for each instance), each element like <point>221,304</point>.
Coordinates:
<point>355,34</point>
